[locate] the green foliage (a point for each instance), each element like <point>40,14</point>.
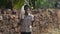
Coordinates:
<point>18,4</point>
<point>14,3</point>
<point>2,3</point>
<point>43,3</point>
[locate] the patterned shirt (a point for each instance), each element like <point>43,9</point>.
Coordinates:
<point>26,24</point>
<point>1,17</point>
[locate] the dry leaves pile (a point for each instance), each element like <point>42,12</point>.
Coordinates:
<point>46,21</point>
<point>9,23</point>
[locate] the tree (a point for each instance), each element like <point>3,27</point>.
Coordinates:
<point>11,4</point>
<point>42,3</point>
<point>17,4</point>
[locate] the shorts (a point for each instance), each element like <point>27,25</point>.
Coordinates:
<point>25,32</point>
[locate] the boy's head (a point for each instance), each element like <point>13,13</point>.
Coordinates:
<point>27,8</point>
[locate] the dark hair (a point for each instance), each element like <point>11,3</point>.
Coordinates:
<point>26,7</point>
<point>13,13</point>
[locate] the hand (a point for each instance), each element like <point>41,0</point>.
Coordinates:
<point>30,26</point>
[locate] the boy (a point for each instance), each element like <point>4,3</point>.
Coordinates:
<point>26,22</point>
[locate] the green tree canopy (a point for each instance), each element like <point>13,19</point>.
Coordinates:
<point>11,3</point>
<point>16,4</point>
<point>42,3</point>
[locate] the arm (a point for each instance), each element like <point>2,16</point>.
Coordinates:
<point>32,19</point>
<point>21,18</point>
<point>31,26</point>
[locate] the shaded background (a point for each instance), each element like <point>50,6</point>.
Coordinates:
<point>16,4</point>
